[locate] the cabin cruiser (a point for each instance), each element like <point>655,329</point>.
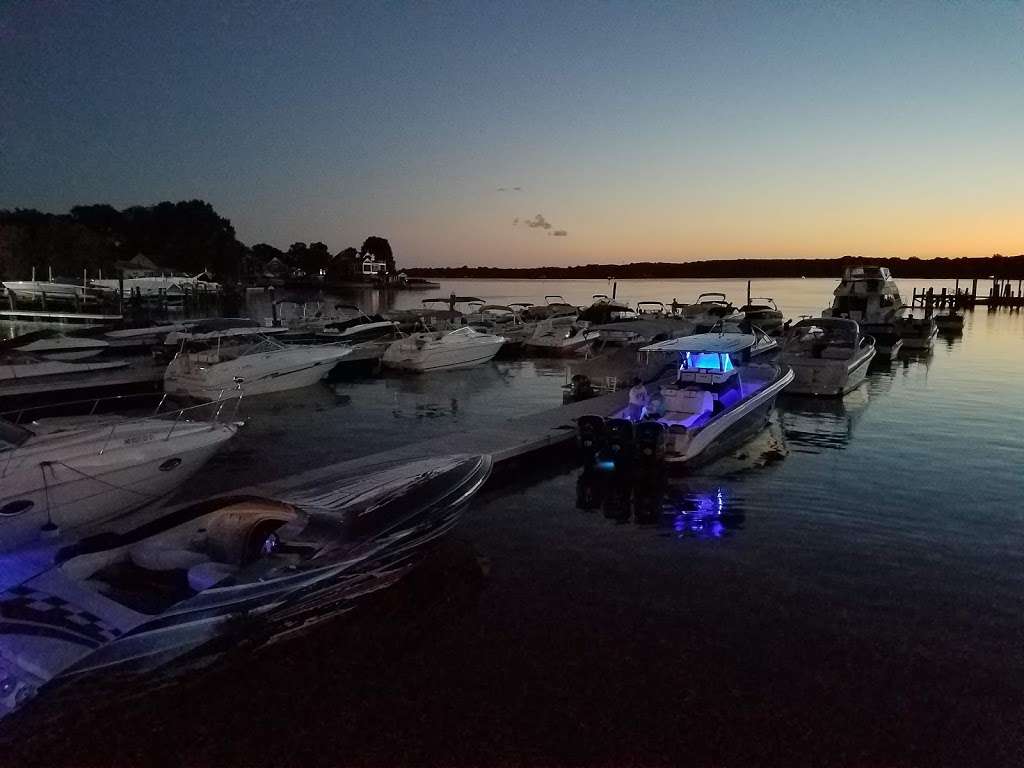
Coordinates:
<point>64,292</point>
<point>829,356</point>
<point>721,397</point>
<point>869,296</point>
<point>559,336</point>
<point>208,364</point>
<point>709,310</point>
<point>53,345</point>
<point>196,581</point>
<point>764,313</point>
<point>442,350</point>
<point>60,474</point>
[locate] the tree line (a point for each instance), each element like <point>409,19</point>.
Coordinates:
<point>1009,267</point>
<point>186,237</point>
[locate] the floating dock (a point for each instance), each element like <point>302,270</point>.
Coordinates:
<point>517,439</point>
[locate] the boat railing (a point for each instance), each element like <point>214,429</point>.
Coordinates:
<point>175,416</point>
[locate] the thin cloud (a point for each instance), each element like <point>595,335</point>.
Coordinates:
<point>559,233</point>
<point>537,222</point>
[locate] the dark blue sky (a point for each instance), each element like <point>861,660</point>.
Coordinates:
<point>643,130</point>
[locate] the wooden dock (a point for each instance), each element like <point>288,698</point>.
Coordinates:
<point>1000,294</point>
<point>517,439</point>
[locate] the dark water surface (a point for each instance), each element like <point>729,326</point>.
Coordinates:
<point>848,589</point>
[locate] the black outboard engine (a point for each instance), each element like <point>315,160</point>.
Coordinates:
<point>618,443</point>
<point>591,439</point>
<point>618,497</point>
<point>650,442</point>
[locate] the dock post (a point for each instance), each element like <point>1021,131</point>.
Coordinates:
<point>748,293</point>
<point>120,292</point>
<point>974,291</point>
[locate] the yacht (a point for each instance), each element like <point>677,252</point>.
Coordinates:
<point>62,474</point>
<point>53,345</point>
<point>559,336</point>
<point>721,397</point>
<point>709,310</point>
<point>208,364</point>
<point>161,591</point>
<point>829,356</point>
<point>869,296</point>
<point>764,313</point>
<point>442,350</point>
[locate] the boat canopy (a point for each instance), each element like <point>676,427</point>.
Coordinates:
<point>727,343</point>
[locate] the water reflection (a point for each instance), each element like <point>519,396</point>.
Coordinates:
<point>680,510</point>
<point>811,425</point>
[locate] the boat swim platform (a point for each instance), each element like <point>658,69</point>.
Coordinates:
<point>517,439</point>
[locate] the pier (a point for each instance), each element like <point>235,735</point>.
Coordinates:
<point>999,294</point>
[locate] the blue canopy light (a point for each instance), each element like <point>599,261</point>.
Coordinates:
<point>719,362</point>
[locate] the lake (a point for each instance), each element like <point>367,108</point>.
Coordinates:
<point>847,589</point>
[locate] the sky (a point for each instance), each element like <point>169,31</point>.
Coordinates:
<point>528,133</point>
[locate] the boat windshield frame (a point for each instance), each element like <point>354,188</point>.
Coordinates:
<point>13,435</point>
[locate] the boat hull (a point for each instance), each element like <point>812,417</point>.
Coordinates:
<point>100,479</point>
<point>828,378</point>
<point>401,356</point>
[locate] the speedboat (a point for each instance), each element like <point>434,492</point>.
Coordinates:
<point>54,346</point>
<point>764,313</point>
<point>64,292</point>
<point>193,582</point>
<point>721,397</point>
<point>559,336</point>
<point>709,310</point>
<point>829,356</point>
<point>950,323</point>
<point>208,364</point>
<point>23,368</point>
<point>442,350</point>
<point>869,296</point>
<point>62,474</point>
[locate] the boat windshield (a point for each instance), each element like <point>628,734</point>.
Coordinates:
<point>716,362</point>
<point>12,436</point>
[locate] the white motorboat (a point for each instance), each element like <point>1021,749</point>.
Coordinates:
<point>191,582</point>
<point>869,296</point>
<point>208,364</point>
<point>65,292</point>
<point>709,310</point>
<point>764,313</point>
<point>66,474</point>
<point>829,356</point>
<point>720,398</point>
<point>559,336</point>
<point>24,367</point>
<point>165,285</point>
<point>54,346</point>
<point>441,350</point>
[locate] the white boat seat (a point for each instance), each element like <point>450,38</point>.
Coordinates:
<point>686,400</point>
<point>205,575</point>
<point>153,557</point>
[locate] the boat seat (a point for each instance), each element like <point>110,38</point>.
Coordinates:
<point>153,557</point>
<point>687,400</point>
<point>204,575</point>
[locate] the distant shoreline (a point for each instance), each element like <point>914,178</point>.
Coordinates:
<point>1005,267</point>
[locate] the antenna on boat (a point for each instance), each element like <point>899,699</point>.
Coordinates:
<point>49,529</point>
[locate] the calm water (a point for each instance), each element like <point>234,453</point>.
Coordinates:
<point>847,589</point>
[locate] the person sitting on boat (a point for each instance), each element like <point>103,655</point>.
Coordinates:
<point>637,400</point>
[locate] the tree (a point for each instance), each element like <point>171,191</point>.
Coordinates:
<point>316,257</point>
<point>381,249</point>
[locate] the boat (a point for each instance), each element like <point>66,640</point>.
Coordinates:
<point>869,296</point>
<point>52,345</point>
<point>168,592</point>
<point>24,367</point>
<point>559,336</point>
<point>721,396</point>
<point>950,323</point>
<point>61,292</point>
<point>828,356</point>
<point>68,473</point>
<point>763,312</point>
<point>442,350</point>
<point>170,286</point>
<point>208,364</point>
<point>709,310</point>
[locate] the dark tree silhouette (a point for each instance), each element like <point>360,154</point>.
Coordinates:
<point>381,249</point>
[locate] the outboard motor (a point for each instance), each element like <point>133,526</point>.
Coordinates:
<point>618,497</point>
<point>590,488</point>
<point>618,443</point>
<point>650,442</point>
<point>591,434</point>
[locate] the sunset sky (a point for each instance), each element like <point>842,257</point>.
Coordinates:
<point>665,131</point>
